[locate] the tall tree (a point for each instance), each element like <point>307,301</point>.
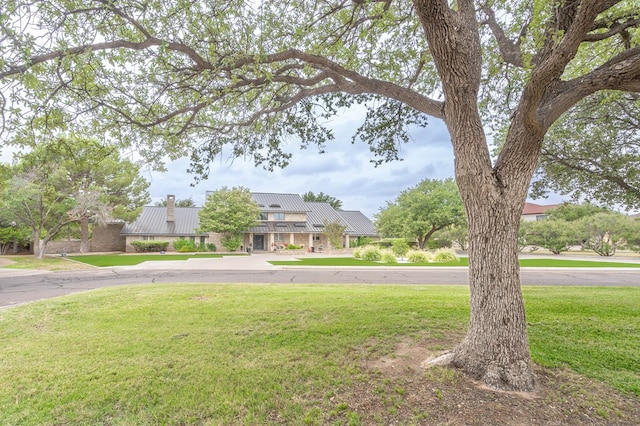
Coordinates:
<point>321,197</point>
<point>196,77</point>
<point>105,184</point>
<point>420,211</point>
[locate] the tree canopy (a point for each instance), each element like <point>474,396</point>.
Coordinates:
<point>243,78</point>
<point>420,211</point>
<point>321,197</point>
<point>229,211</point>
<point>72,180</point>
<point>593,152</point>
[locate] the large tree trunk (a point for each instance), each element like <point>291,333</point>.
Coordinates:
<point>496,348</point>
<point>39,246</point>
<point>84,235</point>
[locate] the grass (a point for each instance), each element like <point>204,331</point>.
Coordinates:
<point>259,354</point>
<point>464,261</point>
<point>135,259</point>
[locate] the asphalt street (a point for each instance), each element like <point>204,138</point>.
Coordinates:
<point>17,287</point>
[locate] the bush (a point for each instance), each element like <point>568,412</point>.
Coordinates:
<point>400,247</point>
<point>293,247</point>
<point>232,242</point>
<point>182,245</point>
<point>445,256</point>
<point>212,247</point>
<point>371,253</point>
<point>149,246</point>
<point>357,253</point>
<point>416,256</point>
<point>389,256</point>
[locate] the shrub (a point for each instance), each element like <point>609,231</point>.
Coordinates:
<point>149,246</point>
<point>388,256</point>
<point>417,256</point>
<point>371,253</point>
<point>357,253</point>
<point>445,256</point>
<point>212,247</point>
<point>232,242</point>
<point>293,247</point>
<point>400,247</point>
<point>182,245</point>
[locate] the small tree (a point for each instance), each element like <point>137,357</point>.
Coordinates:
<point>400,247</point>
<point>556,236</point>
<point>334,231</point>
<point>229,212</point>
<point>420,211</point>
<point>604,232</point>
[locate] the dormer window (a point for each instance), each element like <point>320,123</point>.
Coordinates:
<point>278,216</point>
<point>274,206</point>
<point>264,216</point>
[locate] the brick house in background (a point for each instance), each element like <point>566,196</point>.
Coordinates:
<point>284,219</point>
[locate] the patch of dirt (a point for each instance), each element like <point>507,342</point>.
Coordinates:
<point>398,390</point>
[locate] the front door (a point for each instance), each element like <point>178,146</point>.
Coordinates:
<point>258,242</point>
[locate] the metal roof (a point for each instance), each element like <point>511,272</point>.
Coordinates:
<point>270,202</point>
<point>153,221</point>
<point>358,223</point>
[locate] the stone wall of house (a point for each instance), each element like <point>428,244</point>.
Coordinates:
<point>63,246</point>
<point>107,238</point>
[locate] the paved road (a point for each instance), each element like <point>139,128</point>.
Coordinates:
<point>23,286</point>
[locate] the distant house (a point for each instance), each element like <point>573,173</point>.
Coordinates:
<point>533,212</point>
<point>284,219</point>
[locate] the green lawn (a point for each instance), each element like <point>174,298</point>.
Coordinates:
<point>240,354</point>
<point>464,261</point>
<point>135,259</point>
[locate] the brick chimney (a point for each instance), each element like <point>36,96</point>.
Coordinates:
<point>171,208</point>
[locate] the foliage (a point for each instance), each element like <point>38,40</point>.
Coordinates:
<point>357,252</point>
<point>232,242</point>
<point>12,236</point>
<point>571,212</point>
<point>211,247</point>
<point>292,247</point>
<point>334,230</point>
<point>186,202</point>
<point>400,247</point>
<point>457,234</point>
<point>445,256</point>
<point>183,245</point>
<point>71,179</point>
<point>593,152</point>
<point>418,256</point>
<point>420,211</point>
<point>555,235</point>
<point>371,253</point>
<point>150,245</point>
<point>229,212</point>
<point>361,241</point>
<point>388,256</point>
<point>321,197</point>
<point>604,232</point>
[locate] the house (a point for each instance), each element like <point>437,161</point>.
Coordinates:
<point>284,219</point>
<point>533,212</point>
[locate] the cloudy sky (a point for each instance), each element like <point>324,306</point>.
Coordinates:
<point>344,171</point>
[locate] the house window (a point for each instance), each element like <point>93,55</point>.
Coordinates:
<point>541,217</point>
<point>278,216</point>
<point>316,237</point>
<point>264,216</point>
<point>202,240</point>
<point>278,237</point>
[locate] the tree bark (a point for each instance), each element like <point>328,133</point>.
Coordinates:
<point>84,235</point>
